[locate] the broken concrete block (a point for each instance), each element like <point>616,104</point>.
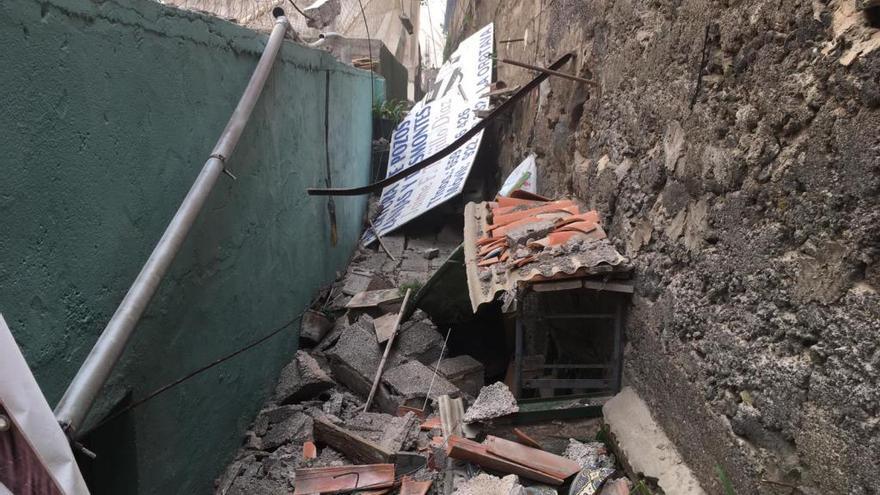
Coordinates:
<point>591,455</point>
<point>313,327</point>
<point>282,464</point>
<point>355,282</point>
<point>301,380</point>
<point>410,381</point>
<point>464,372</point>
<point>486,484</point>
<point>494,401</point>
<point>355,358</point>
<point>392,433</point>
<point>295,429</point>
<point>418,340</point>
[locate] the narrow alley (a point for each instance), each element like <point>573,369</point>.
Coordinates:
<point>457,247</point>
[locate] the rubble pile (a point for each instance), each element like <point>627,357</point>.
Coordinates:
<point>318,435</point>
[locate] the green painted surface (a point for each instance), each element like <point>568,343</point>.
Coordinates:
<point>109,109</point>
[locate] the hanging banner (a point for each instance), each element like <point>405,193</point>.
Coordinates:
<point>524,176</point>
<point>444,114</point>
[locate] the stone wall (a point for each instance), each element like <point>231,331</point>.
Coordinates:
<point>733,150</point>
<point>109,109</point>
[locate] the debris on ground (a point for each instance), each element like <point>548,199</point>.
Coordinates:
<point>494,401</point>
<point>486,484</point>
<point>430,408</point>
<point>301,380</point>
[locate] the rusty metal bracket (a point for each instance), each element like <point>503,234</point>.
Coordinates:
<point>448,149</point>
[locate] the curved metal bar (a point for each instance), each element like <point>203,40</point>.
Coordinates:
<point>71,411</point>
<point>448,149</point>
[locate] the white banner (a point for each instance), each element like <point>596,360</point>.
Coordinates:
<point>443,115</point>
<point>524,176</point>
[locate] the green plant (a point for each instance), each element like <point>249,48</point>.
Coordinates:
<point>414,285</point>
<point>640,488</point>
<point>726,484</point>
<point>393,110</point>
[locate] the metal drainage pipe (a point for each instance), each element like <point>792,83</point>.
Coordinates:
<point>80,395</point>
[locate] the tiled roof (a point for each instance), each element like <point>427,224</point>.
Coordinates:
<point>512,241</point>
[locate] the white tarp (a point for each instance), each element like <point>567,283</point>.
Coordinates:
<point>524,176</point>
<point>443,115</point>
<point>31,416</point>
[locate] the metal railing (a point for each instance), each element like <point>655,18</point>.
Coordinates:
<point>71,411</point>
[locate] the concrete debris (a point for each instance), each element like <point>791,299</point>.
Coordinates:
<point>313,327</point>
<point>494,401</point>
<point>418,340</point>
<point>464,372</point>
<point>410,382</point>
<point>354,359</point>
<point>392,433</point>
<point>592,455</point>
<point>430,253</point>
<point>301,380</point>
<point>296,428</point>
<point>486,484</point>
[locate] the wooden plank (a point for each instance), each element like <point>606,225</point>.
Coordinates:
<point>609,286</point>
<point>467,450</point>
<point>354,446</point>
<point>539,460</point>
<point>567,383</point>
<point>384,326</point>
<point>339,479</point>
<point>581,316</point>
<point>557,285</point>
<point>372,298</point>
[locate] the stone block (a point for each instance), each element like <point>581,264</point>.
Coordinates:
<point>494,401</point>
<point>417,339</point>
<point>464,372</point>
<point>409,382</point>
<point>282,425</point>
<point>301,380</point>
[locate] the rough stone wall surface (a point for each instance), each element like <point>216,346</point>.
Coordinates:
<point>108,111</point>
<point>733,151</point>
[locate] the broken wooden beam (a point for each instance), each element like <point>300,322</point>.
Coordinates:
<point>354,446</point>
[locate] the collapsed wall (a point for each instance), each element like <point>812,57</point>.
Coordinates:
<point>732,151</point>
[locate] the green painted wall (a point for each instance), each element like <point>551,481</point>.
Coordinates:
<point>108,110</point>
